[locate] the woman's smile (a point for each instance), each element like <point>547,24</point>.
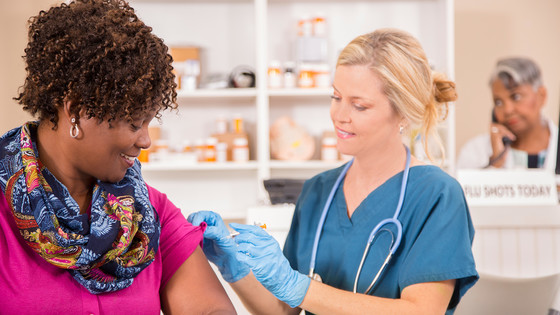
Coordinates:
<point>129,160</point>
<point>344,134</point>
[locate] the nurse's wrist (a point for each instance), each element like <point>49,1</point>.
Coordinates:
<point>234,270</point>
<point>298,290</point>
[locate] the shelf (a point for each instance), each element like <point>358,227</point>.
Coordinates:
<point>182,166</point>
<point>286,2</point>
<point>217,93</point>
<point>251,93</point>
<point>312,164</point>
<point>254,32</point>
<point>193,1</point>
<point>300,92</point>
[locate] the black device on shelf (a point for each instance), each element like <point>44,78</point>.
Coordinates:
<point>283,190</point>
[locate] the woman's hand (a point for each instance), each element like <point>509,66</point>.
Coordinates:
<point>219,246</point>
<point>261,252</point>
<point>497,134</point>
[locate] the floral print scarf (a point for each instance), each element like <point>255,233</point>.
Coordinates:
<point>103,251</point>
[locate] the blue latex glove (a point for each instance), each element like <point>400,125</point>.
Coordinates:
<point>218,247</point>
<point>262,253</point>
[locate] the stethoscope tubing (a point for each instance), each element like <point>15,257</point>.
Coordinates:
<point>394,220</point>
<point>395,217</point>
<point>324,215</point>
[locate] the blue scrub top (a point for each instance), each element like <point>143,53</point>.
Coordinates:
<point>435,246</point>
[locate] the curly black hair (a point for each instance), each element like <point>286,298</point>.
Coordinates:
<point>99,55</point>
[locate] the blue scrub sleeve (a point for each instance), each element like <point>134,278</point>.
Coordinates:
<point>436,258</point>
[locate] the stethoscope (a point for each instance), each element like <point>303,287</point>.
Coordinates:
<point>378,228</point>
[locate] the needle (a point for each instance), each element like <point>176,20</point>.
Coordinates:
<point>235,233</point>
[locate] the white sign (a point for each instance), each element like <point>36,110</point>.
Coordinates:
<point>508,187</point>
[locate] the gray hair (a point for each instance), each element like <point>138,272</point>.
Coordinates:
<point>514,72</point>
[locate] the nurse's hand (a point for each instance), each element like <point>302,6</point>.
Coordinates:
<point>262,253</point>
<point>219,247</point>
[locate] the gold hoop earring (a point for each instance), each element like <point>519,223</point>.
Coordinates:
<point>74,130</point>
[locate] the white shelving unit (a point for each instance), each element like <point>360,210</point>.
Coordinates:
<point>253,32</point>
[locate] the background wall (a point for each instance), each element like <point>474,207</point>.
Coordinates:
<point>13,36</point>
<point>485,31</point>
<point>489,30</point>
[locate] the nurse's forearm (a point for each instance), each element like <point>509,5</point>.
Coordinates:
<point>422,298</point>
<point>258,300</point>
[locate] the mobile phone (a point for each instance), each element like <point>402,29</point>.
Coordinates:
<point>507,141</point>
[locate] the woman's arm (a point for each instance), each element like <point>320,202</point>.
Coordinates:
<point>195,289</point>
<point>258,300</point>
<point>221,249</point>
<point>422,298</point>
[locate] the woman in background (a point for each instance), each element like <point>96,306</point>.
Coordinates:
<point>383,85</point>
<point>520,135</point>
<point>80,230</point>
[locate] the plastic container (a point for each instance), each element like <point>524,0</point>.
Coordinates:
<point>162,146</point>
<point>290,77</point>
<point>191,70</point>
<point>199,149</point>
<point>186,146</point>
<point>329,152</point>
<point>305,77</point>
<point>210,150</point>
<point>221,152</point>
<point>319,25</point>
<point>305,26</point>
<point>237,123</point>
<point>161,151</point>
<point>144,156</point>
<point>274,75</point>
<point>221,125</point>
<point>322,76</point>
<point>240,150</point>
<point>186,152</point>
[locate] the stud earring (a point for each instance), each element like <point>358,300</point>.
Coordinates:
<point>74,130</point>
<point>401,127</point>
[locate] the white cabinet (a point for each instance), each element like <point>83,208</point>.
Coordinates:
<point>252,33</point>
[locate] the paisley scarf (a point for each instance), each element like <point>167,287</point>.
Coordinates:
<point>104,251</point>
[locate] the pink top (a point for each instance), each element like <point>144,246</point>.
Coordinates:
<point>30,285</point>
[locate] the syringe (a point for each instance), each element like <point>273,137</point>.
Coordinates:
<point>235,233</point>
